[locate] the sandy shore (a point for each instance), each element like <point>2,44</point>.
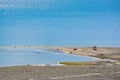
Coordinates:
<point>101,52</point>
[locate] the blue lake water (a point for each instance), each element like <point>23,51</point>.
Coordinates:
<point>13,57</point>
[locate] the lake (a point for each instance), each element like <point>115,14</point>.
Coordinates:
<point>15,57</point>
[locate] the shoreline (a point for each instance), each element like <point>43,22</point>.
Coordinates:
<point>102,70</point>
<point>105,55</point>
<point>101,52</point>
<point>40,49</point>
<point>101,55</point>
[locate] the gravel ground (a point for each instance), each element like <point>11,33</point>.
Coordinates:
<point>61,73</point>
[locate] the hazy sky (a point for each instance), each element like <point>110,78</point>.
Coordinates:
<point>60,22</point>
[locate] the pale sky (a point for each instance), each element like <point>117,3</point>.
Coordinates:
<point>60,22</point>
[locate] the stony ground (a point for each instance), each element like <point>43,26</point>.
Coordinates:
<point>61,73</point>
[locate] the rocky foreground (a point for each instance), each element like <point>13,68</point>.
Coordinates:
<point>61,73</point>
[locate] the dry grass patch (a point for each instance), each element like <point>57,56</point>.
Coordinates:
<point>77,63</point>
